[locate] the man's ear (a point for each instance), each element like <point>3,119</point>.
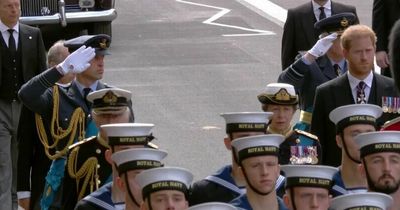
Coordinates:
<point>286,200</point>
<point>120,184</point>
<point>227,142</point>
<point>339,141</point>
<point>361,169</point>
<point>107,155</point>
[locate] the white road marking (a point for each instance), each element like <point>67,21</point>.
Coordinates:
<point>267,9</point>
<point>224,11</point>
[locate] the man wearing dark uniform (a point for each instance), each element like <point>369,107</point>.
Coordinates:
<point>351,120</point>
<point>120,136</point>
<point>65,112</point>
<point>227,183</point>
<point>257,158</point>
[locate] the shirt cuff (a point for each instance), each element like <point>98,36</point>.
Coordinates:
<point>305,61</point>
<point>23,194</point>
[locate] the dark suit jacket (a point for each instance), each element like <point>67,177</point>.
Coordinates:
<point>33,164</point>
<point>384,15</point>
<point>305,78</point>
<point>336,93</point>
<point>299,33</point>
<point>33,52</point>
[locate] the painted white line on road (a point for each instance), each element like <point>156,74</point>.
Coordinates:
<point>224,11</point>
<point>267,9</point>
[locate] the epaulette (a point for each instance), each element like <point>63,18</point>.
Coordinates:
<point>307,134</point>
<point>82,142</point>
<point>392,125</point>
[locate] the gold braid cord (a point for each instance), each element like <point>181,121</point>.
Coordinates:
<point>76,124</point>
<point>88,170</point>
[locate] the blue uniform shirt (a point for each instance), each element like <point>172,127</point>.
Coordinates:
<point>338,187</point>
<point>242,202</point>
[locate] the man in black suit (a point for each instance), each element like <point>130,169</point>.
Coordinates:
<point>394,46</point>
<point>359,85</point>
<point>384,14</point>
<point>323,62</point>
<point>299,33</point>
<point>33,163</point>
<point>22,56</point>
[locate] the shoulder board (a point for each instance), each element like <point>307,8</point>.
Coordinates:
<point>77,144</point>
<point>307,134</point>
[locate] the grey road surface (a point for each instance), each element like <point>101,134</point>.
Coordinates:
<point>183,73</point>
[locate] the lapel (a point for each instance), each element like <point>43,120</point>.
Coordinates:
<point>343,92</point>
<point>24,46</point>
<point>327,68</point>
<point>308,18</point>
<point>76,97</point>
<point>380,89</point>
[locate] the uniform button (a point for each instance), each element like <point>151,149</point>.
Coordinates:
<point>98,151</point>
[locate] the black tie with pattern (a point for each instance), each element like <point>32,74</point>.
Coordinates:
<point>336,67</point>
<point>361,99</point>
<point>322,15</point>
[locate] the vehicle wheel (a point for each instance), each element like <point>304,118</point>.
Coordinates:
<point>101,28</point>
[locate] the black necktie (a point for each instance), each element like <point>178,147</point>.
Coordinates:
<point>322,14</point>
<point>86,92</point>
<point>11,41</point>
<point>361,99</point>
<point>336,67</point>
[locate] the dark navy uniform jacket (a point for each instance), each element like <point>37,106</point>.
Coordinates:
<point>338,187</point>
<point>98,200</point>
<point>305,78</point>
<point>221,187</point>
<point>242,202</point>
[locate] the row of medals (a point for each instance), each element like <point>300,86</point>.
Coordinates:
<point>391,104</point>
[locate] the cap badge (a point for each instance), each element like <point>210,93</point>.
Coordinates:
<point>103,44</point>
<point>110,98</point>
<point>282,95</point>
<point>344,22</point>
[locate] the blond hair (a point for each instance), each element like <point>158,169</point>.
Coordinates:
<point>355,32</point>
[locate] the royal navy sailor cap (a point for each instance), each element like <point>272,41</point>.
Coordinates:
<point>309,175</point>
<point>246,121</point>
<point>259,145</point>
<point>128,133</point>
<point>109,100</point>
<point>366,200</point>
<point>336,23</point>
<point>213,206</point>
<point>279,93</point>
<point>347,115</point>
<point>377,142</point>
<point>138,158</point>
<point>166,178</point>
<point>100,43</point>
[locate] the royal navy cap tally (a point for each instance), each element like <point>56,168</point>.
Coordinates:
<point>138,158</point>
<point>246,121</point>
<point>308,175</point>
<point>364,201</point>
<point>335,23</point>
<point>166,178</point>
<point>128,133</point>
<point>376,142</point>
<point>260,145</point>
<point>109,100</point>
<point>213,206</point>
<point>278,93</point>
<point>100,43</point>
<point>347,115</point>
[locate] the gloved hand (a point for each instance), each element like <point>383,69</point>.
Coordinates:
<point>322,46</point>
<point>78,61</point>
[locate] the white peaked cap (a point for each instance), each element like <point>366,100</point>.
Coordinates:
<point>367,199</point>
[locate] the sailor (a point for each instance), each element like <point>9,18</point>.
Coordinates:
<point>366,200</point>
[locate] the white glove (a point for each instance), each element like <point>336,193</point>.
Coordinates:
<point>78,61</point>
<point>322,46</point>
